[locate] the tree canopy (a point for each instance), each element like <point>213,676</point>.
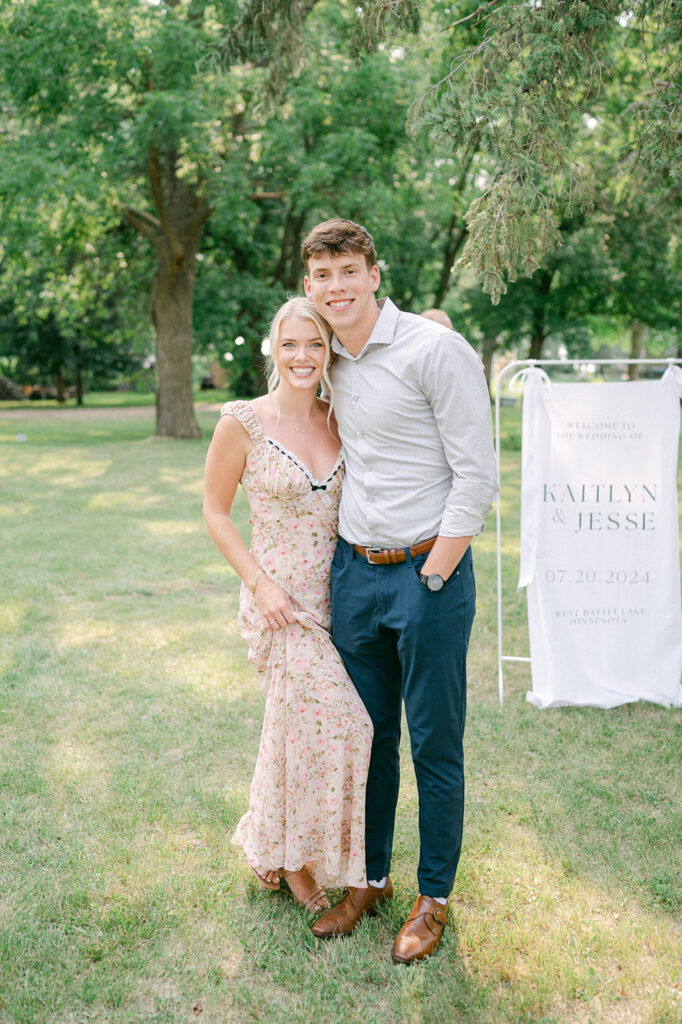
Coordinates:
<point>171,155</point>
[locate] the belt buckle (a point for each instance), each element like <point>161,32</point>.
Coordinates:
<point>373,551</point>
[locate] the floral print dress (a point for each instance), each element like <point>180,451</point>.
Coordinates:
<point>307,803</point>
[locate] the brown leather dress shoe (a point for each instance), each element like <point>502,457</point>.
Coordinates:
<point>346,915</point>
<point>421,933</point>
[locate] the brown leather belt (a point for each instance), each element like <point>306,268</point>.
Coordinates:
<point>391,556</point>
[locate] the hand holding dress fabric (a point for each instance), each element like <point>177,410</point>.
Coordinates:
<point>273,603</point>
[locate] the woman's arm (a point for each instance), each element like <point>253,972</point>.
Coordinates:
<point>224,466</point>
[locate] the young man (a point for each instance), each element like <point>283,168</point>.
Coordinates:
<point>414,417</point>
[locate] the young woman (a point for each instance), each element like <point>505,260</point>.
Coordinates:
<point>306,817</point>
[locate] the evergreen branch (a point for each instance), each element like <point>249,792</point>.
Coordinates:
<point>269,34</point>
<point>258,32</point>
<point>522,88</point>
<point>481,13</point>
<point>372,18</point>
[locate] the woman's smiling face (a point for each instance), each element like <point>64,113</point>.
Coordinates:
<point>300,354</point>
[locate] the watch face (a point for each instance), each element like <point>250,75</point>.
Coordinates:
<point>434,581</point>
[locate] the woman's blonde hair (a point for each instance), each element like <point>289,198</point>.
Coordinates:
<point>300,308</point>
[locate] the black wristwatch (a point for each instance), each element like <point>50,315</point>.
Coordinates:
<point>431,581</point>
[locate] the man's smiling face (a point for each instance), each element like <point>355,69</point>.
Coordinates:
<point>342,288</point>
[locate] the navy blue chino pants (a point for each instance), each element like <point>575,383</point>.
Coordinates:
<point>399,641</point>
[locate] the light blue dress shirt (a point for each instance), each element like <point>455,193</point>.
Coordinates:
<point>414,419</point>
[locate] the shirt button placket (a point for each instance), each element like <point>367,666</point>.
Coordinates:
<point>358,419</point>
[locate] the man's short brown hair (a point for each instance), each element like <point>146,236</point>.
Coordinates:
<point>335,237</point>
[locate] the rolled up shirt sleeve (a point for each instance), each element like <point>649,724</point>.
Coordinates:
<point>454,383</point>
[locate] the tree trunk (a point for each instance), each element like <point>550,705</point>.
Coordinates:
<point>537,341</point>
<point>543,282</point>
<point>637,335</point>
<point>79,373</point>
<point>175,234</point>
<point>172,303</point>
<point>60,386</point>
<point>289,270</point>
<point>489,347</point>
<point>182,216</point>
<point>453,244</point>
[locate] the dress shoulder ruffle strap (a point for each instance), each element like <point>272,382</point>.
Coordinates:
<point>243,412</point>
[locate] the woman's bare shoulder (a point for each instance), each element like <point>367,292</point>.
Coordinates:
<point>231,433</point>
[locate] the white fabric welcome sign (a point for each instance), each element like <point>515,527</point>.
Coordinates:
<point>599,540</point>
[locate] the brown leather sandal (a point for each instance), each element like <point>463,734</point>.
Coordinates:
<point>305,891</point>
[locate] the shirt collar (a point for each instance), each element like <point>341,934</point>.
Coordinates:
<point>383,331</point>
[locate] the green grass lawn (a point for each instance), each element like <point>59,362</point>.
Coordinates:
<point>129,725</point>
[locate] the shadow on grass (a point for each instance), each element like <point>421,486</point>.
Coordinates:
<point>286,974</point>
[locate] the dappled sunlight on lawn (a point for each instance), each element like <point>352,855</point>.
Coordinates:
<point>219,573</point>
<point>12,612</point>
<point>170,528</point>
<point>99,637</point>
<point>12,432</point>
<point>76,631</point>
<point>524,922</point>
<point>67,471</point>
<point>133,498</point>
<point>217,676</point>
<point>201,658</point>
<point>16,509</point>
<point>184,480</point>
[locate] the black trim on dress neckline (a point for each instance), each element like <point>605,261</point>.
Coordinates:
<point>314,485</point>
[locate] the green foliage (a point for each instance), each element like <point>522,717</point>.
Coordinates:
<point>614,265</point>
<point>271,115</point>
<point>72,305</point>
<point>336,145</point>
<point>531,90</point>
<point>93,123</point>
